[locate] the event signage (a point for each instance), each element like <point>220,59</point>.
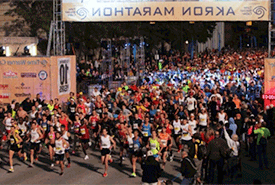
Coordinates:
<point>64,67</point>
<point>127,10</point>
<point>24,77</point>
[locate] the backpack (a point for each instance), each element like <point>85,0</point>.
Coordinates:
<point>263,141</point>
<point>202,150</point>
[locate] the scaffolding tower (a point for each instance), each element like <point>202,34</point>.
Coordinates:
<point>271,29</point>
<point>140,58</point>
<point>57,31</point>
<point>107,62</point>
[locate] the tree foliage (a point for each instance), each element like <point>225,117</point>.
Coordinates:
<point>36,15</point>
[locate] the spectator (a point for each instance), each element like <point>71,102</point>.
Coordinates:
<point>263,136</point>
<point>216,153</point>
<point>188,169</point>
<point>151,170</point>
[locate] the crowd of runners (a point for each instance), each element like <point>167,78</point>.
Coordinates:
<point>207,108</point>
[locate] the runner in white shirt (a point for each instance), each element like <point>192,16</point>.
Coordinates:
<point>222,116</point>
<point>8,123</point>
<point>177,128</point>
<point>88,105</point>
<point>203,120</point>
<point>186,137</point>
<point>105,147</point>
<point>191,104</point>
<point>60,146</point>
<point>193,123</point>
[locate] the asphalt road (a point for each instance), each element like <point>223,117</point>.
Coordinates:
<point>90,171</point>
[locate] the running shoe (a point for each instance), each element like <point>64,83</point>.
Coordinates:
<point>11,170</point>
<point>61,173</point>
<point>110,160</point>
<point>36,159</point>
<point>105,175</point>
<point>31,165</point>
<point>133,175</point>
<point>52,165</point>
<point>69,165</point>
<point>90,143</point>
<point>86,157</point>
<point>73,152</point>
<point>178,151</point>
<point>26,158</point>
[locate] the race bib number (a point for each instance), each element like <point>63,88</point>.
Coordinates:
<point>93,123</point>
<point>185,135</point>
<point>145,134</point>
<point>76,129</point>
<point>58,148</point>
<point>12,141</point>
<point>153,146</point>
<point>164,142</point>
<point>177,128</point>
<point>51,137</point>
<point>135,126</point>
<point>202,120</point>
<point>104,144</point>
<point>136,147</point>
<point>44,127</point>
<point>83,132</point>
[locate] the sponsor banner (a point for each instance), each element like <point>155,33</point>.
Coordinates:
<point>123,10</point>
<point>268,96</point>
<point>22,95</point>
<point>10,74</point>
<point>269,77</point>
<point>22,86</point>
<point>4,86</point>
<point>28,75</point>
<point>4,95</point>
<point>64,67</point>
<point>23,77</point>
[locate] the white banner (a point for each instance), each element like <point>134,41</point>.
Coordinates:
<point>64,68</point>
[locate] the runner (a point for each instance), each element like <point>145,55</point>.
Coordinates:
<point>164,138</point>
<point>77,124</point>
<point>135,143</point>
<point>35,136</point>
<point>15,146</point>
<point>8,122</point>
<point>22,128</point>
<point>95,127</point>
<point>176,136</point>
<point>186,138</point>
<point>60,146</point>
<point>193,123</point>
<point>84,134</point>
<point>122,131</point>
<point>67,136</point>
<point>155,145</point>
<point>50,141</point>
<point>105,147</point>
<point>146,130</point>
<point>203,120</point>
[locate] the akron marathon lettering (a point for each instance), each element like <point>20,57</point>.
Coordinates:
<point>148,11</point>
<point>131,11</point>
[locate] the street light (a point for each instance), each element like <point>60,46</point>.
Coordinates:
<point>186,42</point>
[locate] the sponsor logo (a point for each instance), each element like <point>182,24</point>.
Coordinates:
<point>28,75</point>
<point>10,74</point>
<point>22,86</point>
<point>4,86</point>
<point>42,75</point>
<point>4,96</point>
<point>22,95</point>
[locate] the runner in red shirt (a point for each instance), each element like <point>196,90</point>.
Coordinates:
<point>84,135</point>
